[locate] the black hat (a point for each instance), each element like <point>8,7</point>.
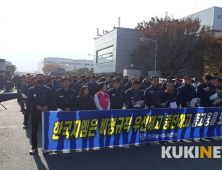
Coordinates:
<point>169,77</point>
<point>116,80</point>
<point>187,77</point>
<point>208,77</point>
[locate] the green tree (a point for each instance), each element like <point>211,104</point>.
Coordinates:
<point>213,56</point>
<point>11,67</point>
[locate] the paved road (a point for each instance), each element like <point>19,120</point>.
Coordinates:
<point>15,146</point>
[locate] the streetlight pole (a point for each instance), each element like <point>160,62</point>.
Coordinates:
<point>142,39</point>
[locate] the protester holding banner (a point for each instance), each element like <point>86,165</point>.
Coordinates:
<point>101,98</point>
<point>116,95</point>
<point>40,98</point>
<point>153,94</point>
<point>205,90</point>
<point>134,95</point>
<point>186,93</point>
<point>65,97</point>
<point>85,100</point>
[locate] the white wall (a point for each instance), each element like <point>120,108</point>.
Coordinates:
<point>68,64</point>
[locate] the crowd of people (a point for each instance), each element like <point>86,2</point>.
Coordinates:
<point>41,93</point>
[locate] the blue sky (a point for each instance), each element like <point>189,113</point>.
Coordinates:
<point>31,30</point>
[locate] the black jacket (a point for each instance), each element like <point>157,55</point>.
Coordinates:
<point>85,103</point>
<point>66,99</point>
<point>168,98</point>
<point>116,98</point>
<point>205,96</point>
<point>185,94</point>
<point>153,96</point>
<point>132,96</point>
<point>42,96</point>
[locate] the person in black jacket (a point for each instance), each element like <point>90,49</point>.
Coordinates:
<point>116,95</point>
<point>85,100</point>
<point>177,84</point>
<point>168,96</point>
<point>65,97</point>
<point>205,90</point>
<point>169,79</point>
<point>153,94</point>
<point>92,86</point>
<point>40,99</point>
<point>146,83</point>
<point>27,111</point>
<point>186,93</point>
<point>133,95</point>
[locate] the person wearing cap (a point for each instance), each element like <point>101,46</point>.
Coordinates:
<point>101,98</point>
<point>82,81</point>
<point>125,80</point>
<point>51,83</point>
<point>65,98</point>
<point>40,98</point>
<point>73,85</point>
<point>133,95</point>
<point>110,81</point>
<point>116,95</point>
<point>27,111</point>
<point>130,83</point>
<point>219,87</point>
<point>177,84</point>
<point>214,80</point>
<point>169,79</point>
<point>92,86</point>
<point>153,94</point>
<point>146,83</point>
<point>205,90</point>
<point>186,93</point>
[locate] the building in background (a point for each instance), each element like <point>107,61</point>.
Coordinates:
<point>211,17</point>
<point>2,64</point>
<point>112,50</point>
<point>68,64</point>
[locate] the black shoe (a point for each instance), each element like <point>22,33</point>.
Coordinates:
<point>180,141</point>
<point>209,138</point>
<point>147,143</point>
<point>162,142</point>
<point>33,150</point>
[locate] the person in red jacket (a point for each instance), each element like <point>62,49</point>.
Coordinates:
<point>101,98</point>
